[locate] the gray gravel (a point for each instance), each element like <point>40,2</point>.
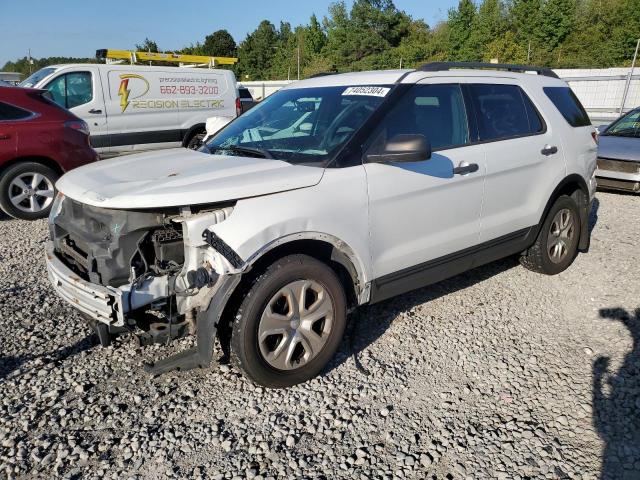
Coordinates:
<point>497,373</point>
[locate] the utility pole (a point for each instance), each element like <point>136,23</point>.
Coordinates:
<point>400,63</point>
<point>29,60</point>
<point>628,82</point>
<point>529,52</point>
<point>298,50</point>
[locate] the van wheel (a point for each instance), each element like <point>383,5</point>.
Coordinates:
<point>290,322</point>
<point>27,190</point>
<point>196,140</point>
<point>557,243</point>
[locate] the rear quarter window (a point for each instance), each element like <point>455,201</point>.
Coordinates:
<point>568,105</point>
<point>9,112</point>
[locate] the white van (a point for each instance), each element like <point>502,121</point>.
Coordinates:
<point>132,107</point>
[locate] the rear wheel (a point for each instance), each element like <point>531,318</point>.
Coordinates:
<point>27,190</point>
<point>289,323</point>
<point>557,243</point>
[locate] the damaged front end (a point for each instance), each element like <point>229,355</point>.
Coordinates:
<point>159,274</point>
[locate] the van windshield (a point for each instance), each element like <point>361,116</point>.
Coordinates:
<point>299,125</point>
<point>35,78</point>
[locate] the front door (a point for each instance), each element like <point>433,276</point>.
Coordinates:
<point>423,214</point>
<point>80,91</point>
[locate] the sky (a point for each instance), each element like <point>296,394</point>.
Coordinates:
<point>77,28</point>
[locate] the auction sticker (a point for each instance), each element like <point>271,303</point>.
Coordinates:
<point>368,91</point>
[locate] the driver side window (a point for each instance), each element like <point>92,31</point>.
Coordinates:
<point>71,89</point>
<point>435,111</point>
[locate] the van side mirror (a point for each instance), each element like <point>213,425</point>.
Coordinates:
<point>403,148</point>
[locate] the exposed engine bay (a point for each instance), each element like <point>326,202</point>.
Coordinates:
<point>159,280</point>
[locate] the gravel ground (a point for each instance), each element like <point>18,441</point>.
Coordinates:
<point>496,373</point>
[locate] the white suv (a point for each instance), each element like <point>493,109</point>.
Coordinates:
<point>334,192</point>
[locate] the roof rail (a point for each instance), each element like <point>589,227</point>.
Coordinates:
<point>442,66</point>
<point>322,74</point>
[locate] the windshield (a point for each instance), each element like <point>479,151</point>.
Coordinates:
<point>627,126</point>
<point>35,78</point>
<point>300,126</point>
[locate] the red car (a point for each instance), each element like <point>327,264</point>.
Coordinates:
<point>39,141</point>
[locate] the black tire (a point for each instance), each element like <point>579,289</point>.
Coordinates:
<point>7,190</point>
<point>246,351</point>
<point>538,257</point>
<point>196,139</point>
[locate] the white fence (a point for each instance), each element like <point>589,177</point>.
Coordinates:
<point>262,89</point>
<point>599,89</point>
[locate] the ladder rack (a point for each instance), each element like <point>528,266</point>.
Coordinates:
<point>118,56</point>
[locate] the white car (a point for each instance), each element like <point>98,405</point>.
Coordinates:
<point>334,192</point>
<point>137,107</point>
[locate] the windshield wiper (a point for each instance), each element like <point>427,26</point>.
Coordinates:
<point>624,133</point>
<point>258,152</point>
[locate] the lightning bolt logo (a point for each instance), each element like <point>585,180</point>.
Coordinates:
<point>124,92</point>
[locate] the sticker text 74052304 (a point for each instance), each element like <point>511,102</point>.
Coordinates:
<point>369,91</point>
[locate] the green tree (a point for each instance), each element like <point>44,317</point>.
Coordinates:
<point>314,37</point>
<point>147,46</point>
<point>461,21</point>
<point>255,52</point>
<point>506,49</point>
<point>22,65</point>
<point>490,25</point>
<point>557,18</point>
<point>219,44</point>
<point>524,19</point>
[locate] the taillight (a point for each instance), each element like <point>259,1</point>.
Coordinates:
<point>595,136</point>
<point>78,125</point>
<point>238,107</point>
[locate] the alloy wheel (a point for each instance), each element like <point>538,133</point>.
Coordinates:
<point>31,192</point>
<point>561,235</point>
<point>295,324</point>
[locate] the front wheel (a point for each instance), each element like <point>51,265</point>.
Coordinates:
<point>27,190</point>
<point>556,246</point>
<point>289,323</point>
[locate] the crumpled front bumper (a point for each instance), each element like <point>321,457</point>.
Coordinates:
<point>101,303</point>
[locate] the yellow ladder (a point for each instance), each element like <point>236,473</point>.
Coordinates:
<point>135,57</point>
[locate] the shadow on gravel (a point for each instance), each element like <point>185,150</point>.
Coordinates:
<point>616,404</point>
<point>9,364</point>
<point>369,323</point>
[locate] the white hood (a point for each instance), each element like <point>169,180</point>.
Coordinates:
<point>181,177</point>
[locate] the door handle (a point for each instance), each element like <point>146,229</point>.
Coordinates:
<point>96,111</point>
<point>549,150</point>
<point>4,136</point>
<point>465,168</point>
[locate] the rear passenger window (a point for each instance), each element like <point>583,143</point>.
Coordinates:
<point>504,111</point>
<point>9,112</point>
<point>435,111</point>
<point>569,106</point>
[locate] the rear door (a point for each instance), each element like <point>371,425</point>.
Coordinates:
<point>523,152</point>
<point>79,89</point>
<point>8,134</point>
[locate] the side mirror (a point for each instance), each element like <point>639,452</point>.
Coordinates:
<point>403,148</point>
<point>601,128</point>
